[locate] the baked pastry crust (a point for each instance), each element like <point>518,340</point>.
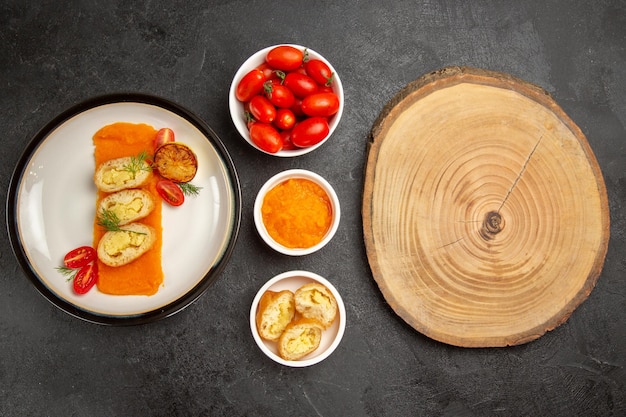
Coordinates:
<point>122,173</point>
<point>315,301</point>
<point>301,337</point>
<point>276,311</point>
<point>128,205</point>
<point>121,247</point>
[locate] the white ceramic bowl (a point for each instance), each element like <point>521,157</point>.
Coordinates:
<point>279,178</point>
<point>237,111</point>
<point>292,280</point>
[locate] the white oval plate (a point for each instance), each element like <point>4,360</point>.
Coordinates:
<point>51,209</point>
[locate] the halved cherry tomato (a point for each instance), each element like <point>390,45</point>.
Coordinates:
<point>285,119</point>
<point>250,85</point>
<point>320,104</point>
<point>164,135</point>
<point>284,57</point>
<point>79,257</point>
<point>262,109</point>
<point>301,85</point>
<point>266,137</point>
<point>279,95</point>
<point>319,71</point>
<point>310,131</point>
<point>85,278</point>
<point>170,192</point>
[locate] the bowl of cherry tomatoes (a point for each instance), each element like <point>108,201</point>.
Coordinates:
<point>286,100</point>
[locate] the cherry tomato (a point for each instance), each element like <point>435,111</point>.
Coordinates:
<point>279,95</point>
<point>79,257</point>
<point>310,131</point>
<point>319,71</point>
<point>285,135</point>
<point>266,137</point>
<point>170,192</point>
<point>250,85</point>
<point>164,135</point>
<point>249,119</point>
<point>297,107</point>
<point>284,57</point>
<point>268,71</point>
<point>301,85</point>
<point>85,278</point>
<point>285,119</point>
<point>262,109</point>
<point>300,70</point>
<point>325,89</point>
<point>273,82</point>
<point>320,104</point>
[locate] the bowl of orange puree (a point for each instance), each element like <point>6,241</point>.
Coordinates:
<point>296,212</point>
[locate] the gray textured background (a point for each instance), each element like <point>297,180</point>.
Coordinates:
<point>203,361</point>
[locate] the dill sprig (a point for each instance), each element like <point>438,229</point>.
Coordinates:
<point>189,189</point>
<point>109,220</point>
<point>138,163</point>
<point>68,272</point>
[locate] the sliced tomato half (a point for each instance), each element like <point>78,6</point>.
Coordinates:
<point>79,257</point>
<point>170,192</point>
<point>86,278</point>
<point>164,135</point>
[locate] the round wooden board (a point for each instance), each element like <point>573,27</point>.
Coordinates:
<point>485,213</point>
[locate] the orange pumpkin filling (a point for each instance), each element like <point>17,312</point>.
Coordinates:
<point>144,275</point>
<point>297,213</point>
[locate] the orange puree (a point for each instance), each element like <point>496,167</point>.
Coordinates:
<point>297,213</point>
<point>144,275</point>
